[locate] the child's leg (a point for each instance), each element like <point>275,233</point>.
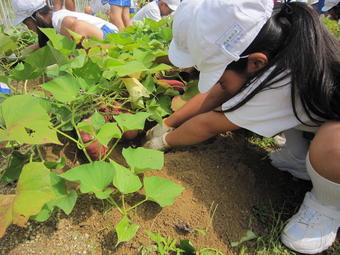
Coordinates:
<point>70,5</point>
<point>88,10</point>
<point>199,129</point>
<point>80,27</point>
<point>126,16</point>
<point>313,229</point>
<point>116,13</point>
<point>58,5</point>
<point>324,152</point>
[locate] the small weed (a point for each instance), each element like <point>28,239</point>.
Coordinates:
<point>268,243</point>
<point>263,142</point>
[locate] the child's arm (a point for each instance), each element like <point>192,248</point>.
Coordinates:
<point>200,103</point>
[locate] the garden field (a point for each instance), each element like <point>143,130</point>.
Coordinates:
<point>74,179</point>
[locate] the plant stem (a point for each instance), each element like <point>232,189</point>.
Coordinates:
<point>25,87</point>
<point>138,204</point>
<point>114,203</point>
<point>111,149</point>
<point>123,202</point>
<point>66,135</point>
<point>78,134</point>
<point>39,153</point>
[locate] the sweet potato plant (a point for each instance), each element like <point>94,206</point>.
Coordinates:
<point>112,85</point>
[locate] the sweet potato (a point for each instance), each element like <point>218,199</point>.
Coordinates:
<point>95,150</point>
<point>174,84</point>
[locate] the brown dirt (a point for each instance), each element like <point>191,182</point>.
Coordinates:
<point>226,173</point>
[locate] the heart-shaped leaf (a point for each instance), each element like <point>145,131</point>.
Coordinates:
<point>131,121</point>
<point>161,191</point>
<point>93,177</point>
<point>107,132</point>
<point>33,191</point>
<point>30,126</point>
<point>125,180</point>
<point>125,231</point>
<point>141,159</point>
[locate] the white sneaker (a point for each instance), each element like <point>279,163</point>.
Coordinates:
<point>313,229</point>
<point>285,161</point>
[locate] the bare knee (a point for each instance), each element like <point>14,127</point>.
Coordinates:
<point>324,151</point>
<point>88,10</point>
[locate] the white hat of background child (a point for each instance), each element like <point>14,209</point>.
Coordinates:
<point>210,34</point>
<point>173,4</point>
<point>25,8</point>
<point>329,4</point>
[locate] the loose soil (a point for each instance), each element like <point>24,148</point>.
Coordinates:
<point>227,182</point>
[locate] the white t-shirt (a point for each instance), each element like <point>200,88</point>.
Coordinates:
<point>58,17</point>
<point>99,6</point>
<point>150,10</point>
<point>270,111</point>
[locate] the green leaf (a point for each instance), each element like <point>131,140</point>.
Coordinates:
<point>30,126</point>
<point>12,172</point>
<point>64,200</point>
<point>59,164</point>
<point>107,132</point>
<point>125,231</point>
<point>129,68</point>
<point>25,72</point>
<point>87,127</point>
<point>60,42</point>
<point>149,83</point>
<point>161,191</point>
<point>93,177</point>
<point>6,44</point>
<point>64,88</point>
<point>90,72</point>
<point>33,191</point>
<point>141,159</point>
<point>131,121</point>
<point>97,120</point>
<point>249,236</point>
<point>40,58</point>
<point>159,68</point>
<point>187,246</point>
<point>125,180</point>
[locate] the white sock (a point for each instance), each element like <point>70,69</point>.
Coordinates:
<point>296,144</point>
<point>325,191</point>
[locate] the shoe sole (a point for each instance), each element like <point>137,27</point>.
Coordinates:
<point>288,243</point>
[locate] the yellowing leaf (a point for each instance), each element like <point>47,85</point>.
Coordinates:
<point>33,191</point>
<point>6,205</point>
<point>135,88</point>
<point>135,75</point>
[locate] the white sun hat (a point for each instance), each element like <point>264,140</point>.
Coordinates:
<point>210,34</point>
<point>25,8</point>
<point>329,4</point>
<point>173,4</point>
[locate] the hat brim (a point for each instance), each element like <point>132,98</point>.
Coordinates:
<point>173,7</point>
<point>326,8</point>
<point>179,57</point>
<point>19,20</point>
<point>208,79</point>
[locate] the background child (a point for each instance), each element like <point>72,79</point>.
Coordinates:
<point>120,13</point>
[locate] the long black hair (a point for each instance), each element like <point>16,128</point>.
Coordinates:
<point>298,45</point>
<point>42,38</point>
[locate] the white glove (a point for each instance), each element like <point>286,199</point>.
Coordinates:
<point>157,143</point>
<point>158,131</point>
